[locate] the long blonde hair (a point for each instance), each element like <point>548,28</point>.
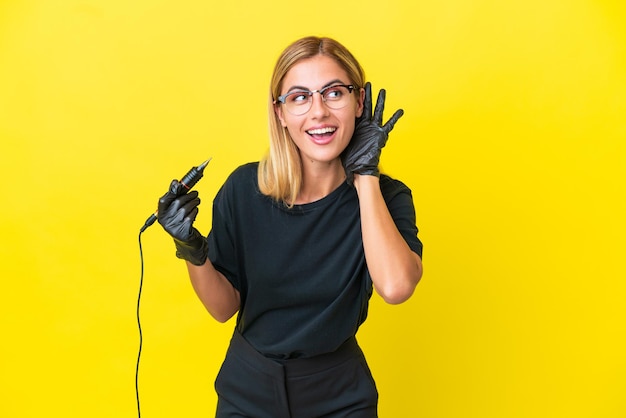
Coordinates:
<point>280,171</point>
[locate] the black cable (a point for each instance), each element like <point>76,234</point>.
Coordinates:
<point>139,326</point>
<point>188,181</point>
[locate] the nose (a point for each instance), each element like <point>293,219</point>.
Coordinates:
<point>318,107</point>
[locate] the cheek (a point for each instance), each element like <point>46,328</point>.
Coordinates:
<point>292,126</point>
<point>349,122</point>
<point>349,132</point>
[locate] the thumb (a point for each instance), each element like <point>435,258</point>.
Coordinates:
<point>176,189</point>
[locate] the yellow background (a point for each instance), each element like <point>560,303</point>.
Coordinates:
<point>512,142</point>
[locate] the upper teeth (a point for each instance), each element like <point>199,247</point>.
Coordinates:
<point>321,131</point>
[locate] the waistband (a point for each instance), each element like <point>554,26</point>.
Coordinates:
<point>293,367</point>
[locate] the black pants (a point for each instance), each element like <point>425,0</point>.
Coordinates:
<point>334,385</point>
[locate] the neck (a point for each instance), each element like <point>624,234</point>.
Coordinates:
<point>319,180</point>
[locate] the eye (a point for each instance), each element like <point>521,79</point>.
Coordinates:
<point>334,93</point>
<point>298,97</point>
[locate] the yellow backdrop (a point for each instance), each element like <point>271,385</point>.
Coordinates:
<point>512,142</point>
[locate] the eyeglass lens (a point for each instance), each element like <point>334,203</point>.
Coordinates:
<point>335,97</point>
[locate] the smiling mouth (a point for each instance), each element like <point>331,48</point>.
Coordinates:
<point>321,131</point>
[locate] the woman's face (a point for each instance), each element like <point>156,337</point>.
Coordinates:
<point>322,133</point>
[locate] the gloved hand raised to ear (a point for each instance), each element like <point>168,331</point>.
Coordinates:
<point>177,211</point>
<point>362,154</point>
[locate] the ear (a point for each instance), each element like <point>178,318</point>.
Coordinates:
<point>279,112</point>
<point>359,103</point>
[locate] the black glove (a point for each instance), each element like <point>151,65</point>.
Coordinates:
<point>362,154</point>
<point>176,213</point>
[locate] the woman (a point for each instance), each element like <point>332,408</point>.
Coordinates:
<point>298,242</point>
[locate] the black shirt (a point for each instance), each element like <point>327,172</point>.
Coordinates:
<point>300,271</point>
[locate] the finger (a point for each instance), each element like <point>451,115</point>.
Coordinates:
<point>173,205</point>
<point>391,122</point>
<point>380,107</point>
<point>189,202</point>
<point>183,210</point>
<point>185,203</point>
<point>367,104</point>
<point>191,217</point>
<point>167,199</point>
<point>189,209</point>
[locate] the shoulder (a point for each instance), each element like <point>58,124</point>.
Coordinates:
<point>242,181</point>
<point>391,187</point>
<point>243,176</point>
<point>244,172</point>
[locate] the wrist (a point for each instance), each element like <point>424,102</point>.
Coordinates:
<point>364,181</point>
<point>196,250</point>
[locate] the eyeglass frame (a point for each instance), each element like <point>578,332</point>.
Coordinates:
<point>282,99</point>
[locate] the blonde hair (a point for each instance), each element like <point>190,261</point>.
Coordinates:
<point>280,171</point>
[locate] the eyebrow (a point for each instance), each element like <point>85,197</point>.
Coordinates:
<point>302,88</point>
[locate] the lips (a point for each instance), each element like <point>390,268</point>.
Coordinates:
<point>322,136</point>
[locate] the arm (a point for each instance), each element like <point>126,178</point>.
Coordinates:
<point>395,269</point>
<point>216,293</point>
<point>177,210</point>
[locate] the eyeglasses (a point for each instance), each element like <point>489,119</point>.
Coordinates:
<point>298,102</point>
